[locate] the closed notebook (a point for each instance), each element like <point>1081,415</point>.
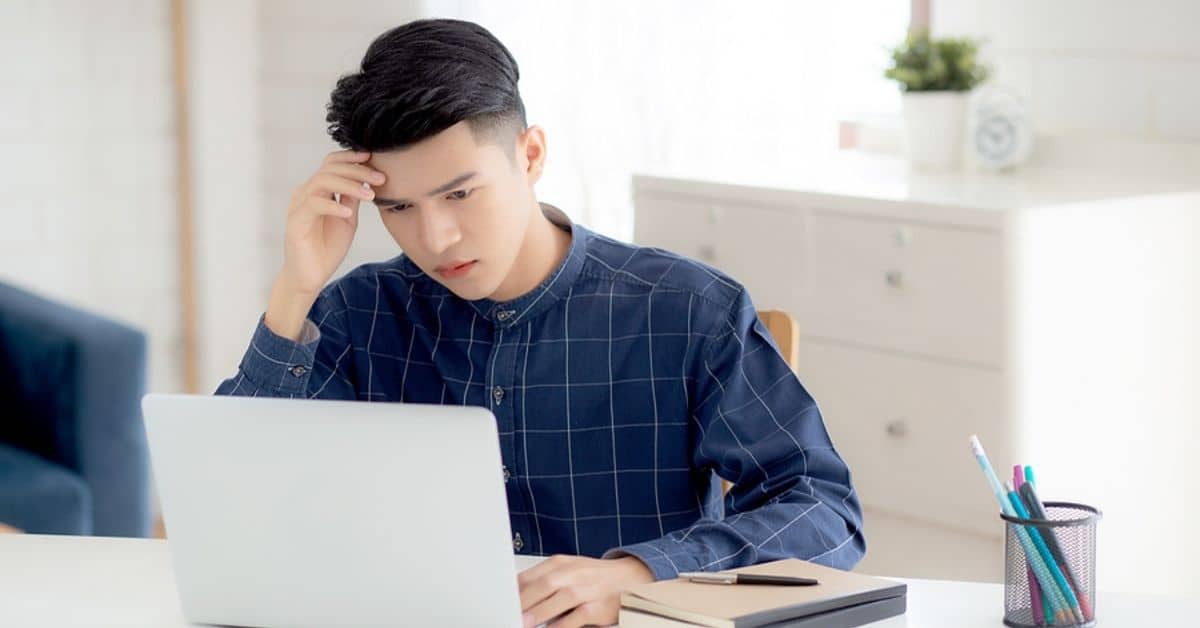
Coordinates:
<point>841,599</point>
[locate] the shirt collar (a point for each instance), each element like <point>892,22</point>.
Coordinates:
<point>552,290</point>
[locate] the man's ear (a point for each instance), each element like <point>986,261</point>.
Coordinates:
<point>531,153</point>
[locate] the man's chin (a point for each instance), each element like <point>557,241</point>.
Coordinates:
<point>469,291</point>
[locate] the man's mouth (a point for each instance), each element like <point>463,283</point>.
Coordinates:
<point>456,269</point>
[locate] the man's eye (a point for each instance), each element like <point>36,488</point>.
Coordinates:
<point>459,195</point>
<point>395,208</point>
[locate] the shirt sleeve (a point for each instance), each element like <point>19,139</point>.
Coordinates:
<point>759,428</point>
<point>320,365</point>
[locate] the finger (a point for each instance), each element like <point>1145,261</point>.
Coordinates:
<point>324,184</point>
<point>317,207</point>
<point>541,569</point>
<point>587,614</point>
<point>356,172</point>
<point>540,590</point>
<point>347,156</point>
<point>561,602</point>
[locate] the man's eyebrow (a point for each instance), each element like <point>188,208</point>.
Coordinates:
<point>441,189</point>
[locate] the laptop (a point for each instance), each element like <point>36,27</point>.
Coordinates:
<point>284,512</point>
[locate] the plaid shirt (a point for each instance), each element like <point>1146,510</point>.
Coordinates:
<point>620,385</point>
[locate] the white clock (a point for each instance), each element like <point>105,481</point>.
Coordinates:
<point>998,129</point>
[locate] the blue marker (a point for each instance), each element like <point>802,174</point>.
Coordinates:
<point>1044,552</point>
<point>1062,611</point>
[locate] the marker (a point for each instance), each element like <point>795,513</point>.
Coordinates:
<point>1062,611</point>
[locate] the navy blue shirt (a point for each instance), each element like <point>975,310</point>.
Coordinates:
<point>619,385</point>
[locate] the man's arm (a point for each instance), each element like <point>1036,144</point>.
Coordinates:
<point>302,345</point>
<point>319,364</point>
<point>758,427</point>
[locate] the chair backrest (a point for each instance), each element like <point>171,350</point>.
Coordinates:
<point>785,331</point>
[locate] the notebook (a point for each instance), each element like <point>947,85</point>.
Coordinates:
<point>842,599</point>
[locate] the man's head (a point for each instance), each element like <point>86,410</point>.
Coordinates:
<point>434,101</point>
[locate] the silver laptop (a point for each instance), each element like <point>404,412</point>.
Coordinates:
<point>287,512</point>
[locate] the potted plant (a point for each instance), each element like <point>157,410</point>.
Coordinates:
<point>935,76</point>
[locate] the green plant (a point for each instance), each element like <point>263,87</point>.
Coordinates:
<point>922,64</point>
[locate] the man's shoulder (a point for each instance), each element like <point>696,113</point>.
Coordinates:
<point>363,285</point>
<point>653,269</point>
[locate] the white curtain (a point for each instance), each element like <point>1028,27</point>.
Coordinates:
<point>633,86</point>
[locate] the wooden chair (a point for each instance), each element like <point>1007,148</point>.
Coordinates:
<point>786,334</point>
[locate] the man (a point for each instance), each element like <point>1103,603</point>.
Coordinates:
<point>621,377</point>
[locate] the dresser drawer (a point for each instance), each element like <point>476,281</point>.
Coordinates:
<point>762,247</point>
<point>902,424</point>
<point>685,227</point>
<point>910,287</point>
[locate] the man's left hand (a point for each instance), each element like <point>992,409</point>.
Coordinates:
<point>584,591</point>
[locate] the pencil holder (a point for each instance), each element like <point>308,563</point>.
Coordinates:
<point>1064,545</point>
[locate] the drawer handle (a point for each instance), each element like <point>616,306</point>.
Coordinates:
<point>894,278</point>
<point>897,429</point>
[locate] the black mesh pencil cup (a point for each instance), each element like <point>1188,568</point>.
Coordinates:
<point>1065,591</point>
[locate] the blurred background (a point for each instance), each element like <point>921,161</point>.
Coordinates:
<point>148,149</point>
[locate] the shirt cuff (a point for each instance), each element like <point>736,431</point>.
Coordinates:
<point>280,364</point>
<point>654,553</point>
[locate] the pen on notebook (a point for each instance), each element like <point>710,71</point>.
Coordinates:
<point>1062,612</point>
<point>704,577</point>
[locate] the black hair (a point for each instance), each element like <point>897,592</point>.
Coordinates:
<point>418,79</point>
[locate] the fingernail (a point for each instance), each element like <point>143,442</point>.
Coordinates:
<point>527,619</point>
<point>378,176</point>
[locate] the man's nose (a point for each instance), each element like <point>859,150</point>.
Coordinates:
<point>439,230</point>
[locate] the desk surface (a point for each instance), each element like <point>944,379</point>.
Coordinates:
<point>86,581</point>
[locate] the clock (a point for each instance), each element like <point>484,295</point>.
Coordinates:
<point>998,129</point>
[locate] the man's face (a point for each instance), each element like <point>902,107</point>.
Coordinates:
<point>459,209</point>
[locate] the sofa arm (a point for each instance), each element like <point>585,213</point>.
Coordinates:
<point>75,383</point>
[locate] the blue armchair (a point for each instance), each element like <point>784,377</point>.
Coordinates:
<point>73,456</point>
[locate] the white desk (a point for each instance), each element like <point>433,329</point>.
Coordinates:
<point>82,581</point>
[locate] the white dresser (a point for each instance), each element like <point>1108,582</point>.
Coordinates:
<point>1054,314</point>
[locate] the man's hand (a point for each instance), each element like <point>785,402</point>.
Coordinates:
<point>318,236</point>
<point>585,591</point>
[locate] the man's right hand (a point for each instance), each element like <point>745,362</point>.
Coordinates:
<point>318,236</point>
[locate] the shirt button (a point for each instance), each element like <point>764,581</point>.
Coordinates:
<point>518,542</point>
<point>299,370</point>
<point>498,394</point>
<point>507,474</point>
<point>504,315</point>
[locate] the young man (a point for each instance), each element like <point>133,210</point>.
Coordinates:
<point>621,377</point>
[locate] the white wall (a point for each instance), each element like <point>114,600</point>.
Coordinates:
<point>305,46</point>
<point>87,163</point>
<point>630,86</point>
<point>1106,73</point>
<point>224,113</point>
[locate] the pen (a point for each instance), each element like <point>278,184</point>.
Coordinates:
<point>1056,574</point>
<point>1037,511</point>
<point>1062,612</point>
<point>746,578</point>
<point>1041,608</point>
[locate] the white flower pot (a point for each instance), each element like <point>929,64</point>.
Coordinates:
<point>934,124</point>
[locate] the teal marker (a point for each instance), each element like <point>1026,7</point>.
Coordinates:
<point>1062,611</point>
<point>1044,552</point>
